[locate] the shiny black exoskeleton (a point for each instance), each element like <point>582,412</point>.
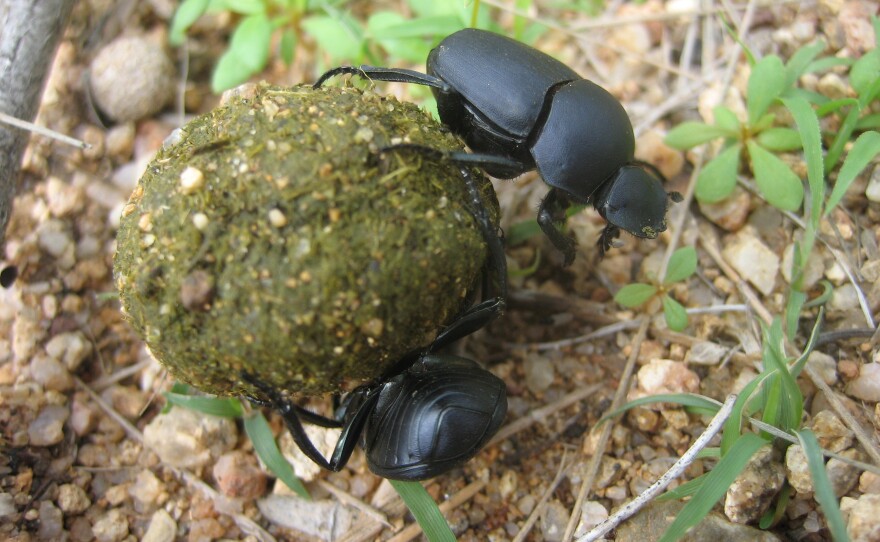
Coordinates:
<point>519,109</point>
<point>430,412</point>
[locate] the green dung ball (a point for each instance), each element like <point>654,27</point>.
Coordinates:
<point>272,239</point>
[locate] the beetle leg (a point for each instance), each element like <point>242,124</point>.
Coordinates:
<point>502,166</point>
<point>481,314</point>
<point>550,213</point>
<point>396,75</point>
<point>294,415</point>
<point>607,239</point>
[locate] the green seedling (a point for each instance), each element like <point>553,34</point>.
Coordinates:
<point>682,265</point>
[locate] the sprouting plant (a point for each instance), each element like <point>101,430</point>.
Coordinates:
<point>338,35</point>
<point>682,265</point>
<point>772,401</point>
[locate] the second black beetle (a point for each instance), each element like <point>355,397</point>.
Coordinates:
<point>519,109</point>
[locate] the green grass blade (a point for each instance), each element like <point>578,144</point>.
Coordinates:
<point>257,429</point>
<point>687,489</point>
<point>714,487</point>
<point>733,426</point>
<point>215,406</point>
<point>799,364</point>
<point>697,402</point>
<point>822,486</point>
<point>800,61</point>
<point>808,127</point>
<point>865,148</point>
<point>785,409</point>
<point>425,510</point>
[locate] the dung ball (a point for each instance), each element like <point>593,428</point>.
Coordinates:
<point>272,239</point>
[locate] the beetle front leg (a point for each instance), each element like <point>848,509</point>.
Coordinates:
<point>396,75</point>
<point>550,213</point>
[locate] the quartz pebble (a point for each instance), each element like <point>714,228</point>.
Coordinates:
<point>183,438</point>
<point>753,260</point>
<point>50,373</point>
<point>162,528</point>
<point>667,376</point>
<point>554,518</point>
<point>70,348</point>
<point>755,487</point>
<point>72,499</point>
<point>797,469</point>
<point>111,527</point>
<point>146,489</point>
<point>322,519</point>
<point>862,517</point>
<point>48,427</point>
<point>866,386</point>
<point>831,433</point>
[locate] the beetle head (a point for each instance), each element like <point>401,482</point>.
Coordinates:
<point>634,200</point>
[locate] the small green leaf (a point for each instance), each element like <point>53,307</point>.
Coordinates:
<point>865,148</point>
<point>779,139</point>
<point>766,83</point>
<point>633,295</point>
<point>727,120</point>
<point>776,181</point>
<point>229,72</point>
<point>214,406</point>
<point>717,179</point>
<point>342,40</point>
<point>187,14</point>
<point>437,25</point>
<point>412,49</point>
<point>676,316</point>
<point>764,123</point>
<point>287,47</point>
<point>250,41</point>
<point>257,429</point>
<point>690,134</point>
<point>682,264</point>
<point>242,7</point>
<point>425,510</point>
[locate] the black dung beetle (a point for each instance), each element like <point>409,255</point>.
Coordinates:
<point>429,412</point>
<point>519,109</point>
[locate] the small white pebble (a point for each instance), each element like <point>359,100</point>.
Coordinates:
<point>277,218</point>
<point>200,221</point>
<point>191,180</point>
